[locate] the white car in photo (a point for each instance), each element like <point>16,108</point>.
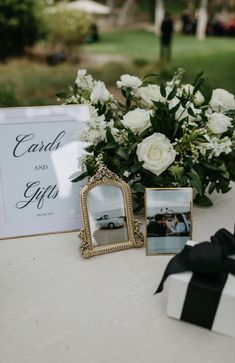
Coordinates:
<point>110,222</point>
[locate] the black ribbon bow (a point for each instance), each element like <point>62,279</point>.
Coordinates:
<point>206,259</point>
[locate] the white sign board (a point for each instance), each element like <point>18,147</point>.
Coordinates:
<point>38,154</point>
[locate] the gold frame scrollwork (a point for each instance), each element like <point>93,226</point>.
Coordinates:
<point>135,236</point>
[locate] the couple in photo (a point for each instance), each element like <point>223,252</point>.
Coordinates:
<point>162,225</point>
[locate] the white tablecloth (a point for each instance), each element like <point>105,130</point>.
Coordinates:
<point>56,307</point>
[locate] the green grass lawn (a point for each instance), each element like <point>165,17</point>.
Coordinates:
<point>23,82</point>
<point>215,56</point>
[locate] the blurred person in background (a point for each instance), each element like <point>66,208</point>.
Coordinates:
<point>166,37</point>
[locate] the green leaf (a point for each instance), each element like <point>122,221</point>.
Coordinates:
<point>138,208</point>
<point>196,181</point>
<point>198,78</point>
<point>203,200</point>
<point>136,167</point>
<point>151,75</point>
<point>190,112</point>
<point>198,86</point>
<point>159,105</point>
<point>158,181</point>
<point>225,189</point>
<point>80,177</point>
<point>163,90</point>
<point>175,129</point>
<point>123,92</point>
<point>226,175</point>
<point>89,148</point>
<point>210,166</point>
<point>109,136</point>
<point>111,145</point>
<point>222,167</point>
<point>123,153</point>
<point>174,109</point>
<point>134,145</point>
<point>62,94</point>
<point>75,88</point>
<point>211,188</point>
<point>137,187</point>
<point>172,94</point>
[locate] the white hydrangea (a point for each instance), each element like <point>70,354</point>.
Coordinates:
<point>100,93</point>
<point>119,135</point>
<point>219,146</point>
<point>84,81</point>
<point>72,99</point>
<point>176,80</point>
<point>222,100</point>
<point>81,163</point>
<point>127,81</point>
<point>126,173</point>
<point>95,128</point>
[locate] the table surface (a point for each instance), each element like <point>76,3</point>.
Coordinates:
<point>57,307</point>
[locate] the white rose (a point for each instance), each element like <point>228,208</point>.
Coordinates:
<point>219,123</point>
<point>148,94</point>
<point>128,81</point>
<point>222,100</point>
<point>137,120</point>
<point>100,93</point>
<point>157,153</point>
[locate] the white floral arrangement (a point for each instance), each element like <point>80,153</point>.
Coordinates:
<point>161,136</point>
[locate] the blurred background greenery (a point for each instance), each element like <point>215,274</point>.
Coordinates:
<point>42,45</point>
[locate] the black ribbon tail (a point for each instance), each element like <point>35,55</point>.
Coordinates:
<point>176,264</point>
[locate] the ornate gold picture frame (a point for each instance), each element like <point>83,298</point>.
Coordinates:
<point>107,215</point>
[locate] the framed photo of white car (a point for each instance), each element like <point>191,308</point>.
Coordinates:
<point>39,151</point>
<point>168,219</point>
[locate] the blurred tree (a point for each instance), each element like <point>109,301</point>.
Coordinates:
<point>125,12</point>
<point>111,4</point>
<point>225,5</point>
<point>68,28</point>
<point>190,6</point>
<point>20,25</point>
